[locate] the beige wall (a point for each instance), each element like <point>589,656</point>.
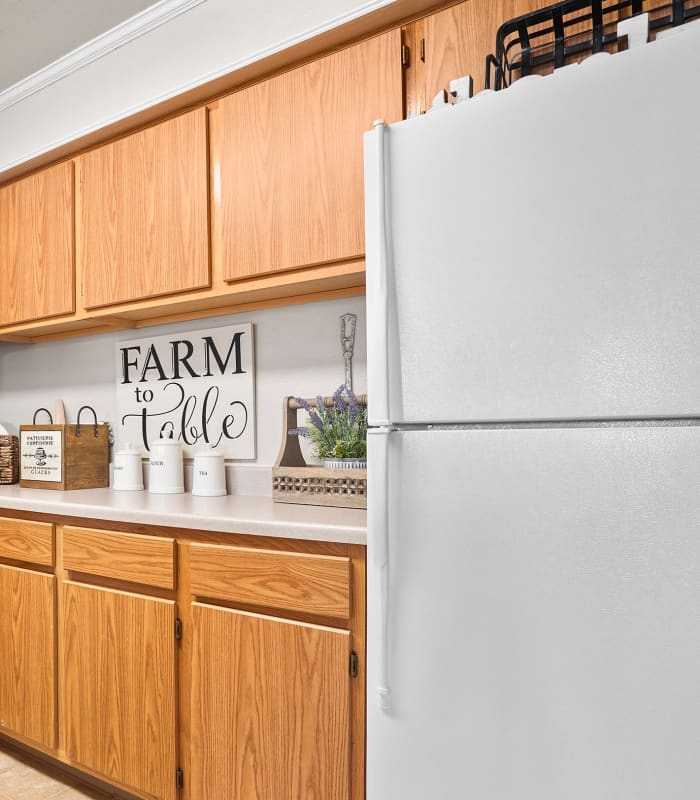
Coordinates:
<point>297,351</point>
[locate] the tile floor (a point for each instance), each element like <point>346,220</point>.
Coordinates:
<point>23,778</point>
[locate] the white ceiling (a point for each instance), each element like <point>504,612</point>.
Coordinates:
<point>34,33</point>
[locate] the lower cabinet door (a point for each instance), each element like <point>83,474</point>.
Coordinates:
<point>28,654</point>
<point>119,705</point>
<point>270,708</point>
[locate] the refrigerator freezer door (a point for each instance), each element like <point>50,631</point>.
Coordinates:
<point>535,253</point>
<point>543,628</point>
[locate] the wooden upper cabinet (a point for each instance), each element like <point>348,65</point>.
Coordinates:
<point>37,268</point>
<point>454,43</point>
<point>290,157</point>
<point>143,224</point>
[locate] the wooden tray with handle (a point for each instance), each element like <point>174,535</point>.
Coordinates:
<point>294,481</point>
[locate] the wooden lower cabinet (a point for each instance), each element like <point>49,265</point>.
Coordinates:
<point>270,708</point>
<point>185,665</point>
<point>27,655</point>
<point>119,678</point>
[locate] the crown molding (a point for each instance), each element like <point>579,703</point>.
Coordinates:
<point>96,48</point>
<point>7,170</point>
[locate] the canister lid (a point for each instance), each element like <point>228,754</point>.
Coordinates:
<point>165,443</point>
<point>129,450</point>
<point>208,452</point>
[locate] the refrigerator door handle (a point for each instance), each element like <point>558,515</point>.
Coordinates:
<point>377,265</point>
<point>379,522</point>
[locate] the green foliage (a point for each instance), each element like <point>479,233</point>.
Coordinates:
<point>339,431</point>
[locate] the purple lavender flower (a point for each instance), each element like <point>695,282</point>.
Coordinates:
<point>354,405</point>
<point>338,430</point>
<point>338,401</point>
<point>304,404</point>
<point>316,421</point>
<point>321,408</point>
<point>298,432</point>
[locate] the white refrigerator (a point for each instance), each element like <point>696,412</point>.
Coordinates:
<point>533,303</point>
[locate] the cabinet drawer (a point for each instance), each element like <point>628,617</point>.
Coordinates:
<point>27,541</point>
<point>125,556</point>
<point>303,582</point>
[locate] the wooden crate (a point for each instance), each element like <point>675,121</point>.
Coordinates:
<point>293,481</point>
<point>64,456</point>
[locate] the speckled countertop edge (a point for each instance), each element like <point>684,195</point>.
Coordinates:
<point>257,516</point>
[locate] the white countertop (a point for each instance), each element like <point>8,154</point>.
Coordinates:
<point>258,516</point>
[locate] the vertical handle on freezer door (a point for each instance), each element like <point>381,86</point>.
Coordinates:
<point>379,521</point>
<point>377,266</point>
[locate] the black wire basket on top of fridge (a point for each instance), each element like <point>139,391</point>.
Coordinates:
<point>540,41</point>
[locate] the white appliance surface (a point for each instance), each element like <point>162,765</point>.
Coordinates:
<point>543,634</point>
<point>535,253</point>
<point>533,306</point>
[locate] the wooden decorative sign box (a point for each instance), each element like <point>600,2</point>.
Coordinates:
<point>293,481</point>
<point>64,456</point>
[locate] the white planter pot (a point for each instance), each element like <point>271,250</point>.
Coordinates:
<point>345,463</point>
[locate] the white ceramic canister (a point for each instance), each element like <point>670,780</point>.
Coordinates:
<point>127,470</point>
<point>166,474</point>
<point>208,473</point>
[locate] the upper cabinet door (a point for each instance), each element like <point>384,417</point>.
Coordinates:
<point>36,246</point>
<point>290,152</point>
<point>143,219</point>
<point>454,43</point>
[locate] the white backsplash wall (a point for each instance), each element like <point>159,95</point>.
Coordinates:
<point>297,352</point>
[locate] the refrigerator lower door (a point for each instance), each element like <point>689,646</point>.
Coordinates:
<point>539,637</point>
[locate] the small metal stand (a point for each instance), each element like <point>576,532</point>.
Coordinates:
<point>348,323</point>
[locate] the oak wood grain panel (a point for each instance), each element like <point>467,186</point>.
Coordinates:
<point>396,13</point>
<point>302,582</point>
<point>36,246</point>
<point>119,687</point>
<point>143,213</point>
<point>414,88</point>
<point>24,540</point>
<point>456,42</point>
<point>291,159</point>
<point>124,556</point>
<point>28,654</point>
<point>270,708</point>
<point>86,458</point>
<point>359,684</point>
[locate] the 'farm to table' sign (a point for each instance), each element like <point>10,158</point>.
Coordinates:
<point>199,386</point>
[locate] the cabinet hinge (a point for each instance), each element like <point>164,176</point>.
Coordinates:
<point>422,50</point>
<point>405,55</point>
<point>353,664</point>
<point>178,628</point>
<point>179,778</point>
<point>80,175</point>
